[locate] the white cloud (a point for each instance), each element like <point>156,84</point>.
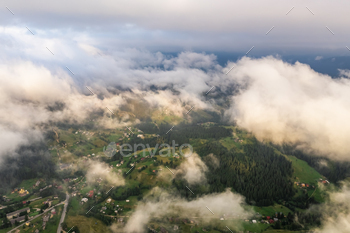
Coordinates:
<point>276,100</point>
<point>204,25</point>
<point>336,217</point>
<point>289,103</point>
<point>193,169</point>
<point>160,203</point>
<point>99,170</point>
<point>30,83</point>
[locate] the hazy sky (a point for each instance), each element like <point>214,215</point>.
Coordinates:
<point>198,25</point>
<point>112,44</point>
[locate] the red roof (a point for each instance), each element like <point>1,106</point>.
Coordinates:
<point>154,170</point>
<point>271,221</point>
<point>142,158</point>
<point>268,217</point>
<point>24,202</point>
<point>91,193</point>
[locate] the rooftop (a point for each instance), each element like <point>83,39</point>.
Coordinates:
<point>17,212</point>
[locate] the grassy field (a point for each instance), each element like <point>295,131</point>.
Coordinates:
<point>271,230</point>
<point>229,143</point>
<point>303,172</point>
<point>163,117</point>
<point>271,210</point>
<point>255,227</point>
<point>75,206</point>
<point>85,224</point>
<point>27,184</point>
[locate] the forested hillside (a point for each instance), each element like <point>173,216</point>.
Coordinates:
<point>30,162</point>
<point>258,172</point>
<point>335,171</point>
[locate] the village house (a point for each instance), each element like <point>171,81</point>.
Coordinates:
<point>16,213</point>
<point>45,220</point>
<point>19,219</point>
<point>48,202</point>
<point>23,192</point>
<point>91,193</point>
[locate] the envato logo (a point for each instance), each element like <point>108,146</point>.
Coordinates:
<point>164,150</point>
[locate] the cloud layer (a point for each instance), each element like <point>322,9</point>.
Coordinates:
<point>193,170</point>
<point>278,101</point>
<point>203,25</point>
<point>99,170</point>
<point>291,103</point>
<point>160,203</point>
<point>336,215</point>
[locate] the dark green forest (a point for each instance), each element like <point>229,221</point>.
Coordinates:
<point>26,162</point>
<point>335,171</point>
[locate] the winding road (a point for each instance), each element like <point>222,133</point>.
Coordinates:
<point>45,211</point>
<point>59,228</point>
